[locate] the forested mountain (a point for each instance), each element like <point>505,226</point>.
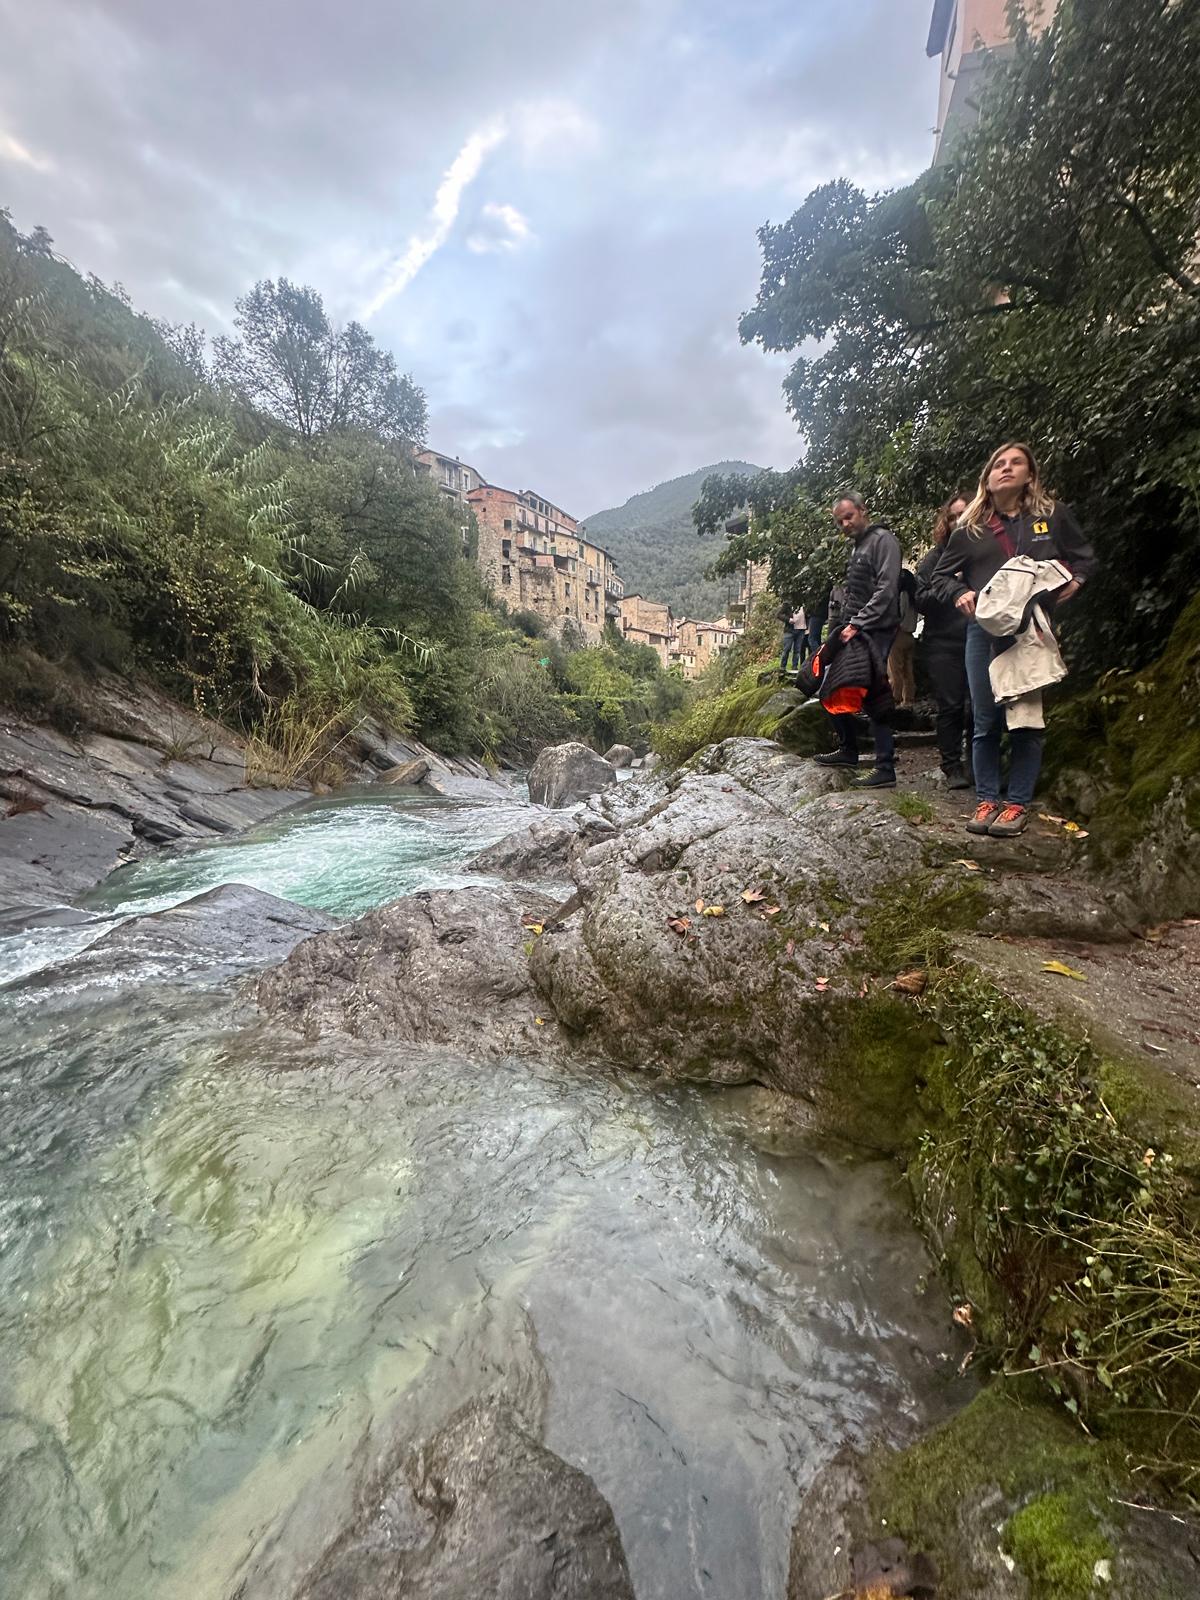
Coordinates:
<point>658,550</point>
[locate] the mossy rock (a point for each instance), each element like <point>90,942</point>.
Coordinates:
<point>1125,757</point>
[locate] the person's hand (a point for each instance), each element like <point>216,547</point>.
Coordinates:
<point>847,634</point>
<point>1067,593</point>
<point>966,603</point>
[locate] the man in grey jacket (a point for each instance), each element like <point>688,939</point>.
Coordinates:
<point>872,612</point>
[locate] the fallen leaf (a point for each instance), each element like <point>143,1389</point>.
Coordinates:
<point>541,1021</point>
<point>822,985</point>
<point>790,948</point>
<point>1064,971</point>
<point>964,1315</point>
<point>751,896</point>
<point>865,990</point>
<point>824,927</point>
<point>911,982</point>
<point>531,920</point>
<point>534,927</point>
<point>1159,1050</point>
<point>713,911</point>
<point>679,925</point>
<point>771,911</point>
<point>700,905</point>
<point>971,866</point>
<point>1148,1159</point>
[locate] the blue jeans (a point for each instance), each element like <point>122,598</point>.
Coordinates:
<point>794,646</point>
<point>1025,744</point>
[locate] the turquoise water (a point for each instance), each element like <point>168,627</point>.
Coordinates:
<point>228,1263</point>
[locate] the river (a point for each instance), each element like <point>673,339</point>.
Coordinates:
<point>227,1260</point>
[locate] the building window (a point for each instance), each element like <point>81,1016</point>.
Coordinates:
<point>567,588</point>
<point>505,574</point>
<point>506,547</point>
<point>508,524</point>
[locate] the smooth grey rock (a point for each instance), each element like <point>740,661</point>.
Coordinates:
<point>727,1001</point>
<point>566,773</point>
<point>407,772</point>
<point>82,806</point>
<point>481,1509</point>
<point>619,755</point>
<point>439,967</point>
<point>539,851</point>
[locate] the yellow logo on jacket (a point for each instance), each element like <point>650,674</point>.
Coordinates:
<point>1041,527</point>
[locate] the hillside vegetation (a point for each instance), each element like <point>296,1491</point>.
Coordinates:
<point>242,523</point>
<point>654,540</point>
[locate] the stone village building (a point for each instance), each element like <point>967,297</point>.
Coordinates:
<point>531,553</point>
<point>538,558</point>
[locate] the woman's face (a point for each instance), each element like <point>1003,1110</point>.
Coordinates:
<point>1010,470</point>
<point>957,507</point>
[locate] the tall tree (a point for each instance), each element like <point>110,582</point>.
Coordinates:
<point>315,378</point>
<point>1043,284</point>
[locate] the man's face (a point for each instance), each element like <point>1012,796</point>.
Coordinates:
<point>851,519</point>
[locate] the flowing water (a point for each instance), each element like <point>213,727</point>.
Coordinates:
<point>229,1264</point>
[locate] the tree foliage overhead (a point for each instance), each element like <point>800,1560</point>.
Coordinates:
<point>1041,284</point>
<point>292,363</point>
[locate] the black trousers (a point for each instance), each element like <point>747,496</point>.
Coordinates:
<point>945,662</point>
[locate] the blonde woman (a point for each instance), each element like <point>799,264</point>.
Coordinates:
<point>1011,515</point>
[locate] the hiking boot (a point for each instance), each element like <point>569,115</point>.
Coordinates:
<point>836,758</point>
<point>877,778</point>
<point>1011,821</point>
<point>955,775</point>
<point>985,814</point>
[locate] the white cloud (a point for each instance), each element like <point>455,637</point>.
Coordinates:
<point>13,150</point>
<point>446,202</point>
<point>552,132</point>
<point>500,227</point>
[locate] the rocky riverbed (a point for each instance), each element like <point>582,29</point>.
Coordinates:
<point>580,1134</point>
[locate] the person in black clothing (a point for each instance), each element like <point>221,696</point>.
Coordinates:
<point>870,613</point>
<point>943,650</point>
<point>1011,515</point>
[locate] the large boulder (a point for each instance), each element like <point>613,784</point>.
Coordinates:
<point>480,1509</point>
<point>619,755</point>
<point>539,852</point>
<point>566,773</point>
<point>713,922</point>
<point>444,966</point>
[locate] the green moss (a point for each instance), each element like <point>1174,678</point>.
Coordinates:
<point>1056,1541</point>
<point>913,808</point>
<point>885,1053</point>
<point>910,923</point>
<point>1000,1442</point>
<point>1156,1107</point>
<point>1135,736</point>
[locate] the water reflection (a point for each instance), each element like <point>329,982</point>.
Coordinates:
<point>230,1263</point>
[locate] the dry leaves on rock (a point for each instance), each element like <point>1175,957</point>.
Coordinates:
<point>1064,971</point>
<point>912,982</point>
<point>753,896</point>
<point>713,911</point>
<point>679,925</point>
<point>971,866</point>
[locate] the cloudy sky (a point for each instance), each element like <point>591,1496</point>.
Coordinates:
<point>546,208</point>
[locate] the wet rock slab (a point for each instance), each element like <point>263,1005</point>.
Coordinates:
<point>440,967</point>
<point>225,930</point>
<point>480,1509</point>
